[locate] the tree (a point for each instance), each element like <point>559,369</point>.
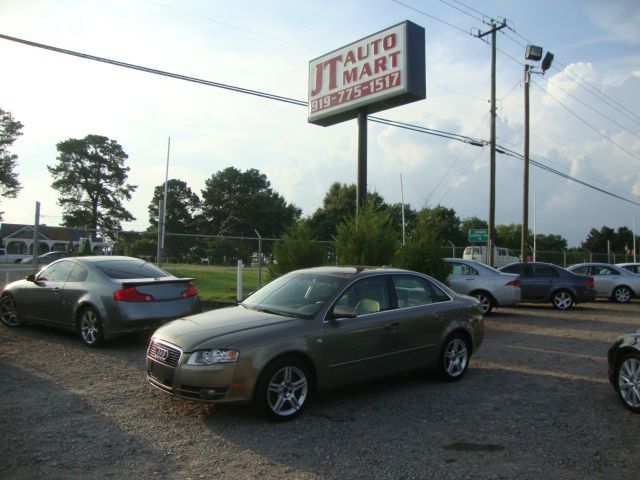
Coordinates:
<point>10,130</point>
<point>443,220</point>
<point>471,223</point>
<point>181,216</point>
<point>91,178</point>
<point>297,250</point>
<point>424,250</point>
<point>550,243</point>
<point>597,240</point>
<point>367,238</point>
<point>509,236</point>
<point>237,203</point>
<point>338,206</point>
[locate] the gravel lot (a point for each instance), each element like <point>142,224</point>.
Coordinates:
<point>535,404</point>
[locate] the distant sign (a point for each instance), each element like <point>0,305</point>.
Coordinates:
<point>478,235</point>
<point>381,71</point>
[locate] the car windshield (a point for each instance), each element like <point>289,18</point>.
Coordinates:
<point>124,269</point>
<point>296,294</point>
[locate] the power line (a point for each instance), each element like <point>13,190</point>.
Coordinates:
<point>432,17</point>
<point>628,152</point>
<point>301,103</point>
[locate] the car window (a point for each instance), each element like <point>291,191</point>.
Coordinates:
<point>543,271</point>
<point>512,269</point>
<point>461,269</point>
<point>368,295</point>
<point>603,271</point>
<point>58,272</point>
<point>301,295</point>
<point>130,269</point>
<point>581,270</point>
<point>412,291</point>
<point>78,274</point>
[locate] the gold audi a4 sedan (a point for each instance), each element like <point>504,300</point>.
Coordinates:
<point>314,329</point>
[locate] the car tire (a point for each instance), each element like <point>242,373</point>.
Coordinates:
<point>284,389</point>
<point>9,312</point>
<point>454,358</point>
<point>90,327</point>
<point>562,300</point>
<point>621,294</point>
<point>486,301</point>
<point>627,378</point>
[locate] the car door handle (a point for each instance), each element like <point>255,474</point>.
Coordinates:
<point>393,327</point>
<point>56,290</point>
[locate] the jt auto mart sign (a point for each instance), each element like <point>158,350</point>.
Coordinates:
<point>381,71</point>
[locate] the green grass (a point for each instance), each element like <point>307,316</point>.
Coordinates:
<point>218,284</point>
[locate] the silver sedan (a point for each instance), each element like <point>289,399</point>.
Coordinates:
<point>99,297</point>
<point>490,286</point>
<point>610,281</point>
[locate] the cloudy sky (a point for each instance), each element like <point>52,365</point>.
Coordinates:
<point>585,112</point>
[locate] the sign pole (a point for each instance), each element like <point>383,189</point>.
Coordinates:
<point>362,160</point>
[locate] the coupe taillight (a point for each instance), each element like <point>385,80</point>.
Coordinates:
<point>189,292</point>
<point>132,295</point>
<point>512,283</point>
<point>590,283</point>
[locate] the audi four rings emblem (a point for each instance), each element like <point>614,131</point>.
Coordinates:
<point>161,353</point>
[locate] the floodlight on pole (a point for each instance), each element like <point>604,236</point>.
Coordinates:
<point>532,53</point>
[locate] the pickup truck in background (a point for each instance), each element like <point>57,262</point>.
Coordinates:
<point>11,257</point>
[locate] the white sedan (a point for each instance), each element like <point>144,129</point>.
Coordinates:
<point>610,281</point>
<point>490,286</point>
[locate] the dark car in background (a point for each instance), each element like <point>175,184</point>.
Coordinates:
<point>546,282</point>
<point>624,369</point>
<point>99,297</point>
<point>314,329</point>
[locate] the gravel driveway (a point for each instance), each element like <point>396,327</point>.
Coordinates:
<point>535,404</point>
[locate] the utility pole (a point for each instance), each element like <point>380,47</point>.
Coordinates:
<point>492,144</point>
<point>525,179</point>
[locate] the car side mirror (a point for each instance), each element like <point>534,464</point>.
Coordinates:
<point>31,278</point>
<point>343,311</point>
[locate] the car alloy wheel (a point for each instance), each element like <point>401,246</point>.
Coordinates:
<point>562,300</point>
<point>284,389</point>
<point>91,328</point>
<point>628,381</point>
<point>454,358</point>
<point>622,294</point>
<point>9,312</point>
<point>486,302</point>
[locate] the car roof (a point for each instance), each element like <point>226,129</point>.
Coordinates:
<point>352,271</point>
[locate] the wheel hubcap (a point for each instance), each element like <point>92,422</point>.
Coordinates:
<point>287,391</point>
<point>8,312</point>
<point>485,304</point>
<point>455,357</point>
<point>629,382</point>
<point>563,301</point>
<point>623,295</point>
<point>89,327</point>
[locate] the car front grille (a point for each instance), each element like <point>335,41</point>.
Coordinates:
<point>164,353</point>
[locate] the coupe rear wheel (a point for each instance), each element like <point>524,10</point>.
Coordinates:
<point>562,300</point>
<point>486,302</point>
<point>454,358</point>
<point>9,312</point>
<point>283,389</point>
<point>621,294</point>
<point>628,381</point>
<point>90,326</point>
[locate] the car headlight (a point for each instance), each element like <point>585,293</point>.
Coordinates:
<point>211,356</point>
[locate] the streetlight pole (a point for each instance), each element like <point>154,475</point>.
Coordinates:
<point>534,53</point>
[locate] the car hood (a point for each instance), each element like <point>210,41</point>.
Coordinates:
<point>235,324</point>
